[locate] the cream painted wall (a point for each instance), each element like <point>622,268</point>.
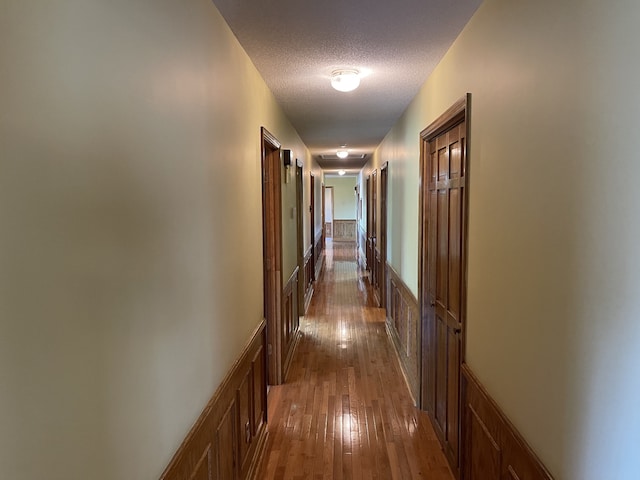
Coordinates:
<point>553,303</point>
<point>344,199</point>
<point>130,205</point>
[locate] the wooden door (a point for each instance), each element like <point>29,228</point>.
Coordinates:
<point>375,268</point>
<point>272,253</point>
<point>382,275</point>
<point>312,214</point>
<point>443,274</point>
<point>369,247</point>
<point>300,232</point>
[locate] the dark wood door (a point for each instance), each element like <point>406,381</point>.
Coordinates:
<point>375,267</point>
<point>312,214</point>
<point>272,253</point>
<point>382,275</point>
<point>443,279</point>
<point>369,246</point>
<point>300,233</point>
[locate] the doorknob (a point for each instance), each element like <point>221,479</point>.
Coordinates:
<point>457,330</point>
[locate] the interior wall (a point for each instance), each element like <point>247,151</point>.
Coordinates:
<point>553,262</point>
<point>130,202</point>
<point>344,199</point>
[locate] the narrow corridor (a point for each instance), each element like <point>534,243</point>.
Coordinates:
<point>345,411</point>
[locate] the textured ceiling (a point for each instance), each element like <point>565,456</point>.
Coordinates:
<point>296,44</point>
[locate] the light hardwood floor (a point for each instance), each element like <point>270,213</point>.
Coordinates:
<point>345,411</point>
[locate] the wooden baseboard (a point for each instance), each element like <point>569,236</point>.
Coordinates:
<point>229,436</point>
<point>492,448</point>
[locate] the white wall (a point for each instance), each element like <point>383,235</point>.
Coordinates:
<point>553,302</point>
<point>131,246</point>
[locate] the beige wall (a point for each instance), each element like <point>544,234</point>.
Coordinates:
<point>131,252</point>
<point>553,303</point>
<point>344,199</point>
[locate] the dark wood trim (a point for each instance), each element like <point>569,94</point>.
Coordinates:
<point>492,447</point>
<point>228,439</point>
<point>403,325</point>
<point>448,119</point>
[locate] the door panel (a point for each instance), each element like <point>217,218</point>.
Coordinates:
<point>443,288</point>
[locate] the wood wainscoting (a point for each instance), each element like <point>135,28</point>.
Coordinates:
<point>492,448</point>
<point>228,439</point>
<point>318,250</point>
<point>308,279</point>
<point>362,248</point>
<point>403,326</point>
<point>344,230</point>
<point>290,321</point>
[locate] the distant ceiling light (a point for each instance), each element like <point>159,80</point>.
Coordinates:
<point>345,80</point>
<point>342,154</point>
<point>341,172</point>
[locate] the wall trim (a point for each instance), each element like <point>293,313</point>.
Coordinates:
<point>229,437</point>
<point>492,448</point>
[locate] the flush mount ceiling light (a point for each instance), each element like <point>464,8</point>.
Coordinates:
<point>345,80</point>
<point>342,154</point>
<point>341,172</point>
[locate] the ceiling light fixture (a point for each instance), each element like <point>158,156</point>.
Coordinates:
<point>345,80</point>
<point>342,154</point>
<point>341,172</point>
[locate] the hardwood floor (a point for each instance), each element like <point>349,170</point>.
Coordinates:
<point>345,411</point>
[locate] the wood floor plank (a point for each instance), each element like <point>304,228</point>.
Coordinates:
<point>345,412</point>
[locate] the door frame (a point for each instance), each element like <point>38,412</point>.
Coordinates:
<point>272,252</point>
<point>458,112</point>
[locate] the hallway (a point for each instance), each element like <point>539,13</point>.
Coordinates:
<point>345,411</point>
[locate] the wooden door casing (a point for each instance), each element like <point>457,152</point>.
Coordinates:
<point>443,274</point>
